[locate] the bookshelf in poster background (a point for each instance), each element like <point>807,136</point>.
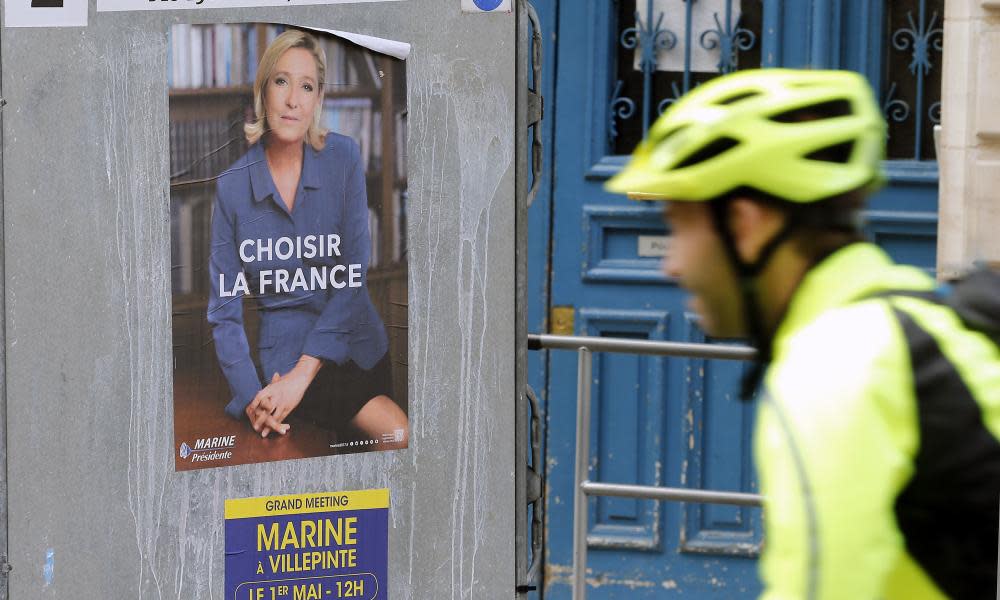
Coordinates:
<point>216,64</point>
<point>226,56</point>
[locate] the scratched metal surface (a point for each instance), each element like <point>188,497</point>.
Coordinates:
<point>87,291</point>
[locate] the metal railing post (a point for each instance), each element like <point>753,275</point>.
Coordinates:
<point>583,488</point>
<point>647,492</point>
<point>583,382</point>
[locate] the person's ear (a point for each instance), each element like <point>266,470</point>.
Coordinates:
<point>752,225</point>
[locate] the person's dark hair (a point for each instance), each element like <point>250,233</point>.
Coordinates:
<point>820,228</point>
<point>828,226</point>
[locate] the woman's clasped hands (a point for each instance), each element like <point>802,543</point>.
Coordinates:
<point>272,404</point>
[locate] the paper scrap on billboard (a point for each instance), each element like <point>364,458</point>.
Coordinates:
<point>400,50</point>
<point>45,13</point>
<point>144,5</point>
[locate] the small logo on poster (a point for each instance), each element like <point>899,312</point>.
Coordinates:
<point>208,449</point>
<point>394,437</point>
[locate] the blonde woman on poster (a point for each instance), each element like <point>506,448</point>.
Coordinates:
<point>290,227</point>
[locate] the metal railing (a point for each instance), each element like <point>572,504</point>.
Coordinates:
<point>585,346</point>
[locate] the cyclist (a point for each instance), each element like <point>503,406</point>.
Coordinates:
<point>877,431</point>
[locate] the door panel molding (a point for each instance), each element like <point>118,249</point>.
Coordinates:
<point>628,404</point>
<point>714,463</point>
<point>611,237</point>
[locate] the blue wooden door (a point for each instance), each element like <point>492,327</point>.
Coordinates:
<point>594,270</point>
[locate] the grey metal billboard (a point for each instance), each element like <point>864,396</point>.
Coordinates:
<point>94,507</point>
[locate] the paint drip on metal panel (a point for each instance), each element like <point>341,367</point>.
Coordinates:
<point>50,566</point>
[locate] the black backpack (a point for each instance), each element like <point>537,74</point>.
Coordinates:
<point>949,512</point>
<point>976,300</point>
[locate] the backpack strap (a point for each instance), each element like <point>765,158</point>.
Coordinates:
<point>975,298</point>
<point>935,296</point>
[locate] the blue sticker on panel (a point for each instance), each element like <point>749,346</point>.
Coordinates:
<point>486,6</point>
<point>322,546</point>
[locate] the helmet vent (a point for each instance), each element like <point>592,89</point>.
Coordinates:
<point>708,152</point>
<point>815,112</point>
<point>838,153</point>
<point>737,97</point>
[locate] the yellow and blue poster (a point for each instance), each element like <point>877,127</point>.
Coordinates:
<point>320,546</point>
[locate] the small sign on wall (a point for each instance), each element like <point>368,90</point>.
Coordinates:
<point>45,13</point>
<point>481,6</point>
<point>653,246</point>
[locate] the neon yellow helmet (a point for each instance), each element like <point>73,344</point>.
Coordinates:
<point>799,135</point>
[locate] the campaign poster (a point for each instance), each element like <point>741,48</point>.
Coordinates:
<point>288,193</point>
<point>320,546</point>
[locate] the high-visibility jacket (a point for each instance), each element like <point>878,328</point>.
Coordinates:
<point>876,441</point>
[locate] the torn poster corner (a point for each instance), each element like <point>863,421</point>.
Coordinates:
<point>400,50</point>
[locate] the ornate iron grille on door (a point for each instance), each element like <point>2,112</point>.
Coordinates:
<point>666,47</point>
<point>912,77</point>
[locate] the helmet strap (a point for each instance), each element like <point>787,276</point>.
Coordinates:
<point>746,272</point>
